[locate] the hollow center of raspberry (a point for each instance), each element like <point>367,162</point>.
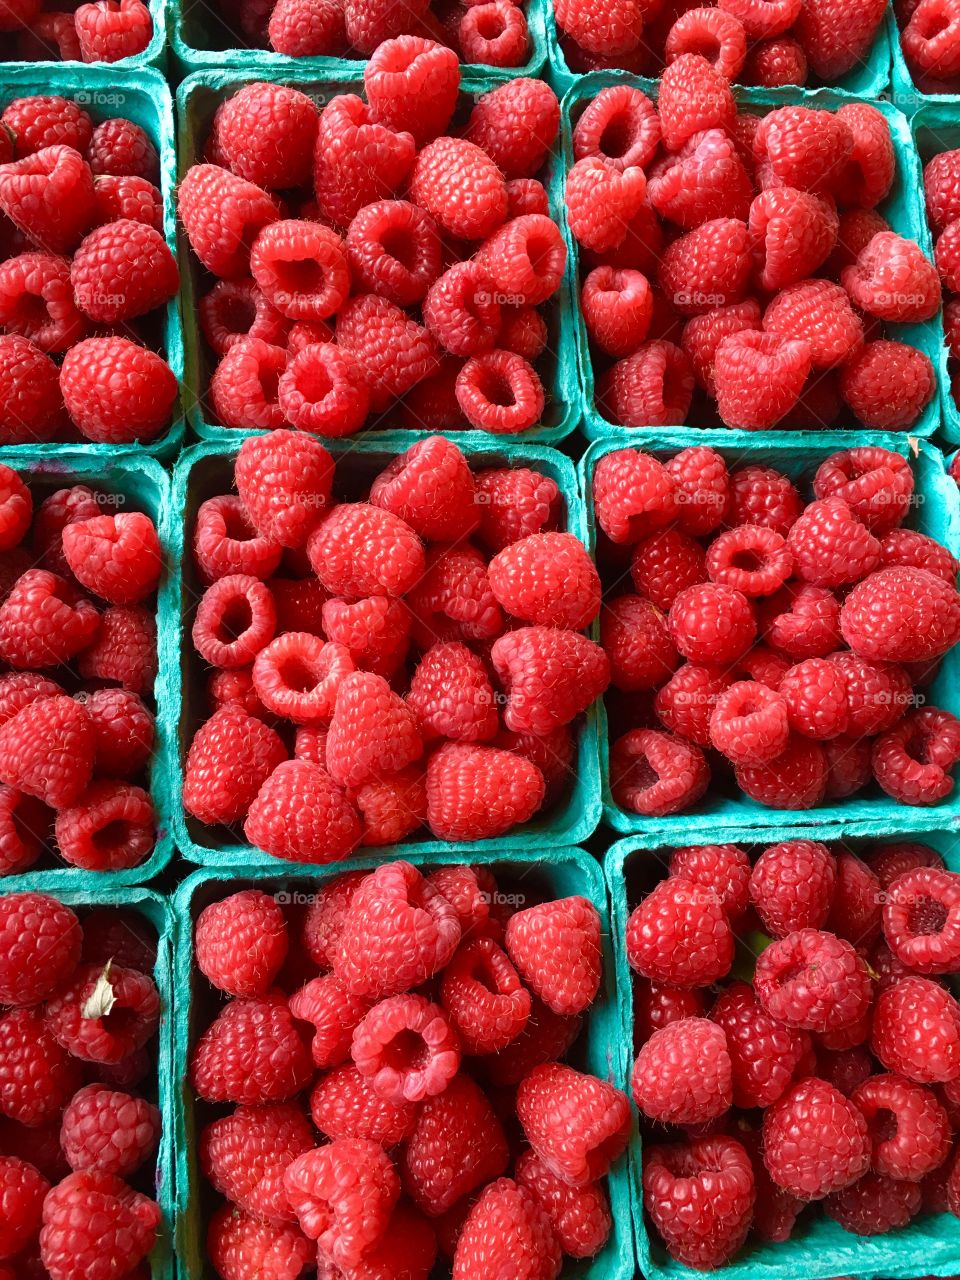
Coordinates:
<point>617,136</point>
<point>883,1126</point>
<point>237,315</point>
<point>642,775</point>
<point>299,275</point>
<point>399,244</point>
<point>932,22</point>
<point>236,527</point>
<point>747,558</point>
<point>236,619</point>
<point>540,251</point>
<point>314,382</point>
<point>296,675</point>
<point>31,312</point>
<point>792,972</point>
<point>113,837</point>
<point>498,391</point>
<point>120,1020</point>
<point>490,25</point>
<point>407,1051</point>
<point>927,916</point>
<point>703,43</point>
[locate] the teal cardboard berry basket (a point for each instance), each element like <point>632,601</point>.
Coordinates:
<point>548,873</point>
<point>143,97</point>
<point>935,511</point>
<point>159,914</point>
<point>128,483</point>
<point>207,470</point>
<point>197,100</point>
<point>201,40</point>
<point>818,1248</point>
<point>903,209</point>
<point>868,79</point>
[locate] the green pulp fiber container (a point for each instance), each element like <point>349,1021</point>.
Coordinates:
<point>868,79</point>
<point>903,208</point>
<point>936,128</point>
<point>202,41</point>
<point>936,511</point>
<point>818,1247</point>
<point>549,873</point>
<point>143,97</point>
<point>207,470</point>
<point>197,99</point>
<point>128,483</point>
<point>159,914</point>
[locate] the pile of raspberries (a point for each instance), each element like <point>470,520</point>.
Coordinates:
<point>101,31</point>
<point>456,588</point>
<point>781,641</point>
<point>78,651</point>
<point>941,183</point>
<point>930,41</point>
<point>846,1039</point>
<point>399,280</point>
<point>736,271</point>
<point>759,42</point>
<point>493,32</point>
<point>77,1053</point>
<point>427,1056</point>
<point>83,262</point>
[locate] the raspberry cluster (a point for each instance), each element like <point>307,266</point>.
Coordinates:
<point>738,272</point>
<point>941,184</point>
<point>76,731</point>
<point>493,32</point>
<point>930,41</point>
<point>420,651</point>
<point>96,31</point>
<point>787,641</point>
<point>416,1023</point>
<point>401,283</point>
<point>78,1027</point>
<point>831,1076</point>
<point>84,268</point>
<point>758,42</point>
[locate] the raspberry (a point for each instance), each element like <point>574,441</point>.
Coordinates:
<point>713,33</point>
<point>834,38</point>
<point>762,664</point>
<point>702,335</point>
<point>875,1205</point>
<point>225,542</point>
<point>374,630</point>
<point>394,351</point>
<point>369,25</point>
<point>104,1014</point>
<point>451,695</point>
<point>601,199</point>
<point>343,1195</point>
<point>42,940</point>
<point>299,603</point>
<point>411,85</point>
<point>240,943</point>
<point>118,557</point>
<point>110,828</point>
<point>905,547</point>
<point>391,808</point>
<point>813,980</point>
<point>818,313</point>
<point>507,1228</point>
<point>453,599</point>
<point>713,865</point>
<point>235,309</point>
<point>109,30</point>
<point>126,1229</point>
<point>761,496</point>
<point>297,676</point>
<point>525,258</point>
<point>888,861</point>
<point>36,301</point>
<point>122,270</point>
<point>796,779</point>
<point>245,1155</point>
<point>251,1053</point>
<point>634,635</point>
<point>516,125</point>
<point>711,623</point>
<point>344,1105</point>
<point>49,34</point>
<point>222,216</point>
<point>831,548</point>
<point>16,508</point>
<point>325,917</point>
<point>357,160</point>
<point>523,331</point>
<point>815,1140</point>
<point>117,392</point>
<point>653,386</point>
<point>301,815</point>
<point>749,723</point>
<point>373,731</point>
<point>33,408</point>
<point>582,1152</point>
<point>284,481</point>
<point>546,1037</point>
<point>460,186</point>
<point>875,483</point>
<point>245,385</point>
<point>700,1198</point>
<point>763,19</point>
<point>514,503</point>
<point>565,971</point>
<point>121,935</point>
<point>869,172</point>
<point>266,134</point>
<point>751,559</point>
<point>127,196</point>
<point>335,1015</point>
<point>617,309</point>
<point>908,1127</point>
<point>477,792</point>
<point>764,1053</point>
<point>792,885</point>
<point>916,1031</point>
<point>47,751</point>
<point>501,392</point>
<point>42,121</point>
<point>301,268</point>
<point>484,999</point>
<point>815,692</point>
<point>940,177</point>
<point>307,28</point>
<point>912,762</point>
<point>775,63</point>
<point>893,280</point>
<point>683,1073</point>
<point>694,95</point>
<point>919,920</point>
<point>549,676</point>
<point>794,232</point>
<point>461,310</point>
<point>704,180</point>
<point>394,250</point>
<point>43,622</point>
<point>37,1075</point>
<point>657,774</point>
<point>580,1216</point>
<point>109,1132</point>
<point>803,147</point>
<point>901,614</point>
<point>22,1189</point>
<point>680,935</point>
<point>666,563</point>
<point>708,267</point>
<point>49,196</point>
<point>759,377</point>
<point>495,33</point>
<point>888,385</point>
<point>235,619</point>
<point>122,148</point>
<point>633,495</point>
<point>431,488</point>
<point>24,825</point>
<point>230,758</point>
<point>547,579</point>
<point>243,1247</point>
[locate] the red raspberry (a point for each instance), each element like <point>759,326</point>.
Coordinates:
<point>763,19</point>
<point>775,63</point>
<point>297,676</point>
<point>836,38</point>
<point>117,557</point>
<point>266,134</point>
<point>477,792</point>
<point>869,172</point>
<point>621,125</point>
<point>815,1141</point>
<point>666,563</point>
<point>110,828</point>
<point>653,386</point>
<point>762,496</point>
<point>513,504</point>
<point>516,125</point>
<point>451,695</point>
<point>431,488</point>
<point>117,392</point>
<point>507,1228</point>
<point>499,391</point>
<point>343,1195</point>
<point>284,480</point>
<point>462,311</point>
<point>940,177</point>
<point>301,268</point>
<point>453,599</point>
<point>700,1198</point>
<point>243,1247</point>
<point>301,815</point>
<point>708,267</point>
<point>42,939</point>
<point>763,1052</point>
<point>251,1053</point>
<point>702,335</point>
<point>122,148</point>
<point>244,388</point>
<point>893,280</point>
<point>324,919</point>
<point>43,621</point>
<point>49,34</point>
<point>373,732</point>
<point>37,1075</point>
<point>42,121</point>
<point>901,614</point>
<point>831,548</point>
<point>123,270</point>
<point>714,33</point>
<point>804,148</point>
<point>225,542</point>
<point>908,1127</point>
<point>796,779</point>
<point>369,25</point>
<point>394,250</point>
<point>460,186</point>
<point>751,559</point>
<point>762,664</point>
<point>127,1222</point>
<point>906,547</point>
<point>680,934</point>
<point>222,215</point>
<point>855,912</point>
<point>920,920</point>
<point>411,85</point>
<point>235,309</point>
<point>683,1073</point>
<point>526,195</point>
<point>307,28</point>
<point>344,1105</point>
<point>109,1132</point>
<point>495,33</point>
<point>109,30</point>
<point>547,579</point>
<point>393,350</point>
<point>36,301</point>
<point>482,994</point>
<point>525,258</point>
<point>581,1152</point>
<point>813,980</point>
<point>245,1155</point>
<point>916,1031</point>
<point>335,1015</point>
<point>694,95</point>
<point>705,179</point>
<point>819,313</point>
<point>722,869</point>
<point>22,1189</point>
<point>792,885</point>
<point>235,619</point>
<point>104,1014</point>
<point>888,861</point>
<point>546,1037</point>
<point>875,1205</point>
<point>359,550</point>
<point>24,828</point>
<point>121,935</point>
<point>748,724</point>
<point>16,508</point>
<point>601,199</point>
<point>634,635</point>
<point>374,630</point>
<point>230,758</point>
<point>802,621</point>
<point>47,751</point>
<point>633,495</point>
<point>794,232</point>
<point>580,1216</point>
<point>553,754</point>
<point>299,603</point>
<point>712,623</point>
<point>657,774</point>
<point>617,309</point>
<point>470,891</point>
<point>549,676</point>
<point>49,196</point>
<point>240,943</point>
<point>888,385</point>
<point>759,377</point>
<point>875,483</point>
<point>815,692</point>
<point>565,971</point>
<point>33,406</point>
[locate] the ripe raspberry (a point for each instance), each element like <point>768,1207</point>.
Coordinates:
<point>460,186</point>
<point>763,1052</point>
<point>792,885</point>
<point>431,488</point>
<point>230,758</point>
<point>714,33</point>
<point>451,694</point>
<point>369,25</point>
<point>394,250</point>
<point>901,614</point>
<point>222,216</point>
<point>375,631</point>
<point>940,188</point>
<point>762,496</point>
<point>516,125</point>
<point>37,1075</point>
<point>813,980</point>
<point>104,1014</point>
<point>407,1048</point>
<point>526,195</point>
<point>122,148</point>
<point>251,1053</point>
<point>617,309</point>
<point>240,943</point>
<point>815,692</point>
<point>235,619</point>
<point>117,557</point>
<point>245,1155</point>
<point>653,386</point>
<point>888,385</point>
<point>37,302</point>
<point>549,676</point>
<point>301,815</point>
<point>694,95</point>
<point>42,939</point>
<point>49,196</point>
<point>301,268</point>
<point>411,85</point>
<point>920,920</point>
<point>556,948</point>
<point>683,1073</point>
<point>869,172</point>
<point>888,861</point>
<point>666,563</point>
<point>796,779</point>
<point>634,636</point>
<point>525,258</point>
<point>601,199</point>
<point>47,751</point>
<point>802,621</point>
<point>916,1031</point>
<point>122,270</point>
<point>819,313</point>
<point>748,723</point>
<point>33,407</point>
<point>373,732</point>
<point>41,600</point>
<point>657,774</point>
<point>244,1247</point>
<point>124,651</point>
<point>835,38</point>
<point>120,935</point>
<point>16,508</point>
<point>109,30</point>
<point>633,495</point>
<point>759,377</point>
<point>795,232</point>
<point>357,160</point>
<point>127,1222</point>
<point>284,481</point>
<point>762,664</point>
<point>831,548</point>
<point>580,1216</point>
<point>700,1198</point>
<point>751,559</point>
<point>335,1015</point>
<point>344,1104</point>
<point>112,827</point>
<point>462,311</point>
<point>876,484</point>
<point>42,121</point>
<point>708,267</point>
<point>494,32</point>
<point>513,504</point>
<point>310,29</point>
<point>477,792</point>
<point>453,599</point>
<point>244,388</point>
<point>343,1195</point>
<point>266,134</point>
<point>547,579</point>
<point>875,1205</point>
<point>297,676</point>
<point>712,623</point>
<point>499,391</point>
<point>484,999</point>
<point>393,350</point>
<point>704,180</point>
<point>507,1228</point>
<point>908,1127</point>
<point>815,1140</point>
<point>235,309</point>
<point>49,34</point>
<point>108,1131</point>
<point>117,392</point>
<point>225,542</point>
<point>893,280</point>
<point>680,934</point>
<point>702,335</point>
<point>22,1190</point>
<point>723,869</point>
<point>582,1152</point>
<point>804,148</point>
<point>906,547</point>
<point>775,63</point>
